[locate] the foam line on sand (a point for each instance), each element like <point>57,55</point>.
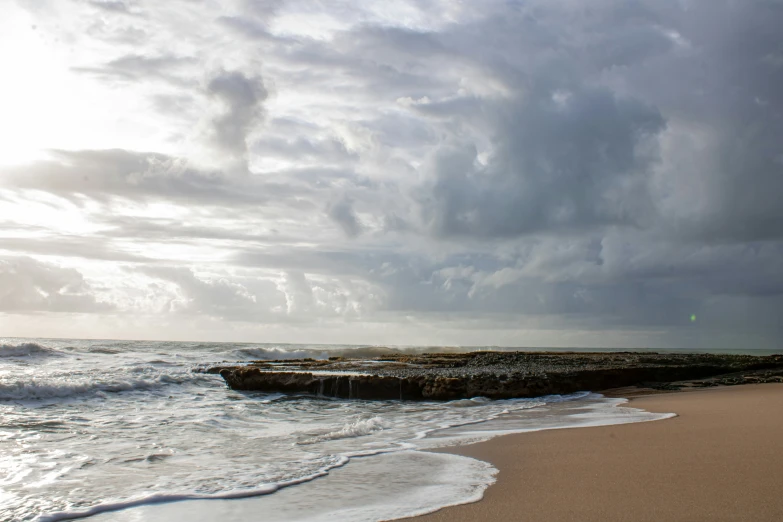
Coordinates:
<point>721,458</point>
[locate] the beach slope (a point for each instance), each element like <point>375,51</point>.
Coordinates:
<point>720,459</point>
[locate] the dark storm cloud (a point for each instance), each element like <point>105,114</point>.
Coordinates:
<point>726,84</point>
<point>567,153</point>
<point>557,165</point>
<point>579,145</point>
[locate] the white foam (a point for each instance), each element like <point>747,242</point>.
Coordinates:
<point>384,487</point>
<point>354,429</point>
<point>271,354</point>
<point>328,373</point>
<point>261,490</point>
<point>468,403</point>
<point>558,414</point>
<point>314,352</point>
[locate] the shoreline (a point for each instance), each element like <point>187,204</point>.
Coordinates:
<point>718,459</point>
<point>392,484</point>
<point>589,491</point>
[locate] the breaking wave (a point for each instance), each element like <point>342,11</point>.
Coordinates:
<point>271,354</point>
<point>64,387</point>
<point>25,350</point>
<point>358,428</point>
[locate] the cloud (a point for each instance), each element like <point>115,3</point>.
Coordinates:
<point>27,285</point>
<point>241,98</point>
<point>104,174</point>
<point>134,67</point>
<point>218,297</point>
<point>510,171</point>
<point>286,297</point>
<point>341,212</point>
<point>305,148</point>
<point>107,174</point>
<point>568,164</point>
<point>249,27</point>
<point>71,246</point>
<point>721,165</point>
<point>111,5</point>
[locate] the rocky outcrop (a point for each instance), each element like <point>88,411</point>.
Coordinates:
<point>496,375</point>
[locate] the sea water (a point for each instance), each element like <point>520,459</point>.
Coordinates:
<point>131,430</point>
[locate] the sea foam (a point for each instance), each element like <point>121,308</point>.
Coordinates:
<point>354,429</point>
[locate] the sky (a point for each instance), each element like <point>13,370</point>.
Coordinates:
<point>437,172</point>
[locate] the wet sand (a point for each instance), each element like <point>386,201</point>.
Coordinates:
<point>720,459</point>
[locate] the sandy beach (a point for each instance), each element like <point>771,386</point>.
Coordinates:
<point>720,459</point>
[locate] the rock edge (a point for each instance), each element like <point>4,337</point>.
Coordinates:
<point>495,375</point>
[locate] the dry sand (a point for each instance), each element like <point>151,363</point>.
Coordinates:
<point>720,459</point>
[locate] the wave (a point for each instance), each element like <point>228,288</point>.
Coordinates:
<point>271,354</point>
<point>468,403</point>
<point>103,350</point>
<point>60,388</point>
<point>359,428</point>
<point>368,352</point>
<point>25,350</point>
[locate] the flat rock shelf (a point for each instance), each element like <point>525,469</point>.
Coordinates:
<point>495,375</point>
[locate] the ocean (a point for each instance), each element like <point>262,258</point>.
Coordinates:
<point>131,431</point>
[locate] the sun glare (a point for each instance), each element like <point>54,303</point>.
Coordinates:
<point>47,104</point>
<point>30,70</point>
